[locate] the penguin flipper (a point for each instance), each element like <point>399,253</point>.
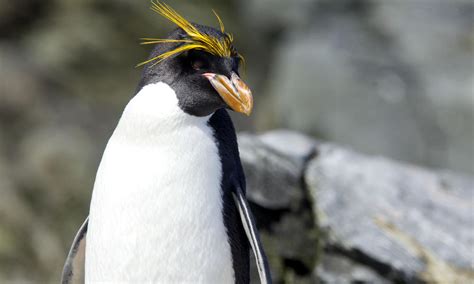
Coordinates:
<point>73,271</point>
<point>252,235</point>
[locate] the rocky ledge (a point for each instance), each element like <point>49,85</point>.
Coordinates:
<point>332,215</point>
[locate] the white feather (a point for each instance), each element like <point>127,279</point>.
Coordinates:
<point>156,210</point>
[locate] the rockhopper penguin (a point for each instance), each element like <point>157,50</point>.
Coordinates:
<point>168,204</point>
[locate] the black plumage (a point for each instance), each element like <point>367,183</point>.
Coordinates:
<point>232,176</point>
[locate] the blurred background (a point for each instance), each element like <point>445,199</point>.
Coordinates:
<point>392,78</point>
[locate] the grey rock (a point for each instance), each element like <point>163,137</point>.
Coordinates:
<point>389,78</point>
<point>342,270</point>
<point>405,219</point>
<point>274,165</point>
<point>346,88</point>
<point>436,40</point>
<point>290,143</point>
<point>273,176</point>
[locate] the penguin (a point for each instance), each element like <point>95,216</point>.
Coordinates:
<point>168,203</point>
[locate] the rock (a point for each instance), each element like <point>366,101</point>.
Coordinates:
<point>275,178</point>
<point>347,89</point>
<point>436,41</point>
<point>404,221</point>
<point>390,78</point>
<point>329,214</point>
<point>290,143</point>
<point>274,165</point>
<point>339,269</point>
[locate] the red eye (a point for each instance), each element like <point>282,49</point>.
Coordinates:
<point>198,64</point>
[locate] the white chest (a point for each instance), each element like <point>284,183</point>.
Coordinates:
<point>156,211</point>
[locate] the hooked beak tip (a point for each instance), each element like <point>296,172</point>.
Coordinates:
<point>209,76</point>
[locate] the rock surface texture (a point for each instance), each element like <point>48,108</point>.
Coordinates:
<point>331,214</point>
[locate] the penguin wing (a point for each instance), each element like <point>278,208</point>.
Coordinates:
<point>252,235</point>
<point>73,271</point>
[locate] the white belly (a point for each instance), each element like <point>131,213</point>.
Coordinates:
<point>156,211</point>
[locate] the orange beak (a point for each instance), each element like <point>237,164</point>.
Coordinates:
<point>235,93</point>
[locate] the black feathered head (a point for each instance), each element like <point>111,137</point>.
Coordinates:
<point>199,63</point>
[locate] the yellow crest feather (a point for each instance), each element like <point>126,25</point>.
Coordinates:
<point>197,39</point>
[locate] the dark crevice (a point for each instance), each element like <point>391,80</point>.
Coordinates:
<point>297,266</point>
<point>383,269</point>
<point>306,211</point>
<point>306,203</point>
<point>308,206</point>
<point>269,219</point>
<point>266,218</point>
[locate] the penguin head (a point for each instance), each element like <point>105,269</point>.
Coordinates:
<point>200,64</point>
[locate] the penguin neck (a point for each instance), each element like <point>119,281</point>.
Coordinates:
<point>154,112</point>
